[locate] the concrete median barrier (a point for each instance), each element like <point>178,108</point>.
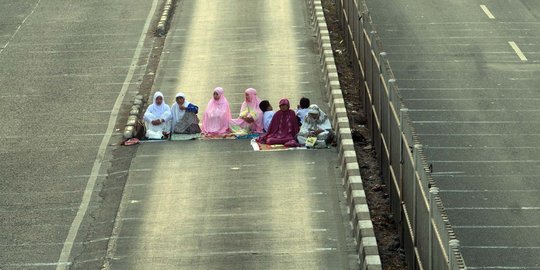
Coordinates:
<point>361,224</point>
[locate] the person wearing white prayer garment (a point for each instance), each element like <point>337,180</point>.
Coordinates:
<point>316,131</point>
<point>157,119</point>
<point>184,116</point>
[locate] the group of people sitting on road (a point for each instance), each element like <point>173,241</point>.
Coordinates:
<point>307,126</point>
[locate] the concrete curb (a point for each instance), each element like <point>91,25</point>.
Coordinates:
<point>166,15</point>
<point>134,116</point>
<point>361,224</point>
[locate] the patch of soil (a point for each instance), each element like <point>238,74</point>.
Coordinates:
<point>392,255</point>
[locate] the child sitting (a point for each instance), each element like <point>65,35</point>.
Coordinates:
<point>266,108</point>
<point>302,109</point>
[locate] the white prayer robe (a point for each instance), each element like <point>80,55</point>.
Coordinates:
<point>155,112</point>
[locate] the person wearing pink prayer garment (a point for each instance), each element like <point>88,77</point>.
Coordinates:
<point>217,115</point>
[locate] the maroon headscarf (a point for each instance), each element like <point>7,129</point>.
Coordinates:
<point>283,128</point>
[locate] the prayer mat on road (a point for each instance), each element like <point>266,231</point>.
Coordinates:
<point>230,137</point>
<point>275,147</point>
<point>185,137</point>
<point>219,137</point>
<point>248,136</point>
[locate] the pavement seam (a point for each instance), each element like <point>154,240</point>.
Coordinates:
<point>362,226</point>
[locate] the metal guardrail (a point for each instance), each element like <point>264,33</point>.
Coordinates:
<point>426,233</point>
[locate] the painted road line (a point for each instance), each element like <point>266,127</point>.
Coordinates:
<point>494,208</point>
<point>485,161</point>
<point>502,267</point>
<point>499,247</point>
<point>63,261</point>
<point>488,13</point>
<point>481,147</point>
<point>496,226</point>
<point>489,190</point>
<point>517,50</point>
<point>19,27</point>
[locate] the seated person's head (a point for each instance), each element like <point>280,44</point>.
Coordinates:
<point>314,112</point>
<point>304,103</point>
<point>180,99</point>
<point>265,106</point>
<point>284,104</point>
<point>159,100</point>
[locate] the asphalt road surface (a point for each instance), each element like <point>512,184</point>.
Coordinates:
<point>217,204</point>
<point>196,204</point>
<point>62,66</point>
<point>469,74</point>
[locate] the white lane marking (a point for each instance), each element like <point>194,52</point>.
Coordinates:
<point>219,215</point>
<point>497,226</point>
<point>266,251</point>
<point>63,265</point>
<point>489,190</point>
<point>81,75</point>
<point>63,260</point>
<point>473,122</point>
<point>488,13</point>
<point>462,177</point>
<point>476,134</point>
<point>48,136</point>
<point>20,96</point>
<point>517,50</point>
<point>497,247</point>
<point>503,267</point>
<point>15,209</point>
<point>36,193</point>
<point>80,51</point>
<point>19,27</point>
<point>473,110</point>
<point>219,29</point>
<point>485,161</point>
<point>63,44</point>
<point>493,208</point>
<point>480,147</point>
<point>469,88</point>
<point>133,83</point>
<point>469,99</point>
<point>445,173</point>
<point>34,244</point>
<point>325,249</point>
<point>98,35</point>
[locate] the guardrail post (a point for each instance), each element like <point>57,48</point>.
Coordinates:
<point>416,157</point>
<point>382,59</point>
<point>389,116</point>
<point>391,85</point>
<point>433,192</point>
<point>361,46</point>
<point>372,39</point>
<point>402,111</point>
<point>452,244</point>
